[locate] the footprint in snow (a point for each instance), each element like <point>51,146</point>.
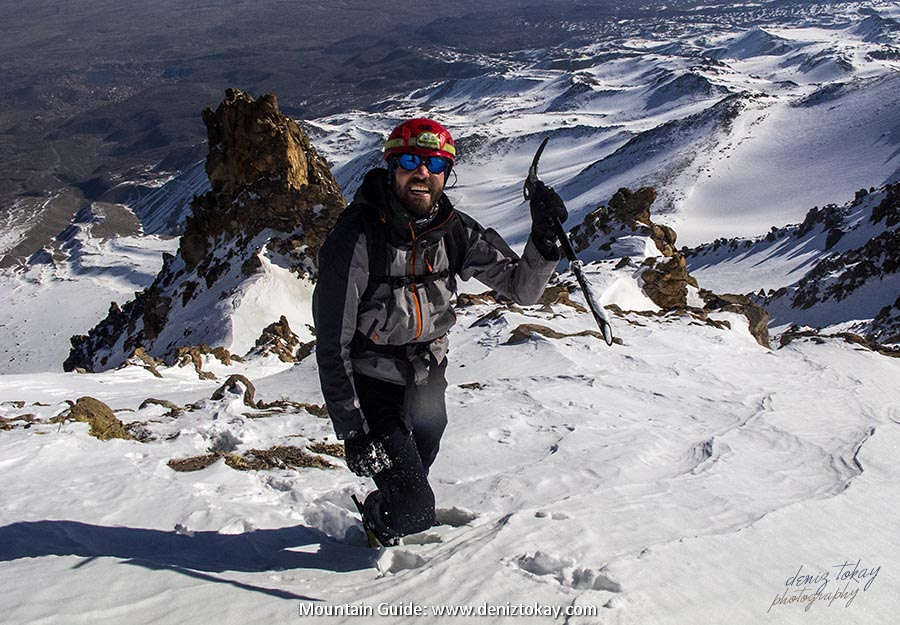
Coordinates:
<point>454,517</point>
<point>556,516</point>
<point>422,538</point>
<point>502,436</point>
<point>396,559</point>
<point>564,571</point>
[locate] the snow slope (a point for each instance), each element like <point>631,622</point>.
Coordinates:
<point>52,299</point>
<point>817,273</point>
<point>679,477</point>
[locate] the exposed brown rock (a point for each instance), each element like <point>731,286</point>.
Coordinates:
<point>317,410</point>
<point>471,299</point>
<point>264,173</point>
<point>193,463</point>
<point>633,207</point>
<point>103,421</point>
<point>664,237</point>
<point>145,360</point>
<point>277,338</point>
<point>139,431</point>
<point>193,355</point>
<point>666,283</point>
<point>278,457</point>
<point>231,384</point>
<point>328,449</point>
<point>305,349</point>
<point>628,211</point>
<point>522,333</point>
<point>757,316</point>
<point>174,409</point>
<point>797,333</point>
<point>559,294</point>
<point>497,313</point>
<point>26,419</point>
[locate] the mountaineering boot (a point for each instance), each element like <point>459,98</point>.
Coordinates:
<point>374,518</point>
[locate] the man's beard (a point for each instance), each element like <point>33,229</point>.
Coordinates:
<point>419,197</point>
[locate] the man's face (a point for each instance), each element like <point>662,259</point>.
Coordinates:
<point>419,189</point>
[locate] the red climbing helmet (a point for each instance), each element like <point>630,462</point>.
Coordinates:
<point>424,137</point>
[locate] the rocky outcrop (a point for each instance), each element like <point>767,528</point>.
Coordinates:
<point>195,354</point>
<point>524,332</point>
<point>103,421</point>
<point>624,230</point>
<point>141,358</point>
<point>559,294</point>
<point>628,215</point>
<point>666,282</point>
<point>241,385</point>
<point>237,384</point>
<point>271,202</point>
<point>797,333</point>
<point>264,173</point>
<point>278,339</point>
<point>757,316</point>
<point>836,277</point>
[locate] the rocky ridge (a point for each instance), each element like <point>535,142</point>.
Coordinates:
<point>271,202</point>
<point>857,267</point>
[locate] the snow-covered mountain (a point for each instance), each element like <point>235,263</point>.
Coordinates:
<point>694,472</point>
<point>836,271</point>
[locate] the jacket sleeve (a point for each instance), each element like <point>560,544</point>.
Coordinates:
<point>343,275</point>
<point>489,259</point>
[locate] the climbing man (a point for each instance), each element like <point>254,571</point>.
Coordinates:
<point>383,306</point>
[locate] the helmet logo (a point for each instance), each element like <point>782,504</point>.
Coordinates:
<point>428,140</point>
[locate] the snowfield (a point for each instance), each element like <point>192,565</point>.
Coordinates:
<point>682,476</point>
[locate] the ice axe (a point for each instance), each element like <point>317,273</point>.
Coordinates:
<point>597,310</point>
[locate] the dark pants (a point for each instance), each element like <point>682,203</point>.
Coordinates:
<point>409,420</point>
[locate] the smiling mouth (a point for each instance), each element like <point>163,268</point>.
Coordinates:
<point>419,191</point>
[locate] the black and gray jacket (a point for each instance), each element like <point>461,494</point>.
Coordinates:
<point>383,303</point>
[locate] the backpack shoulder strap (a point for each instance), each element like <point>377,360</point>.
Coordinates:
<point>376,245</point>
<point>456,240</point>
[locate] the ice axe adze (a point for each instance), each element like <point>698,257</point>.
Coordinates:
<point>592,302</point>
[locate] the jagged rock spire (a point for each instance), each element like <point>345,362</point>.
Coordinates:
<point>272,200</point>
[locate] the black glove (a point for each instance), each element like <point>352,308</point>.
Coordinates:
<point>545,205</point>
<point>366,456</point>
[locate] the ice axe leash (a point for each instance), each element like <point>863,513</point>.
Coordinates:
<point>592,302</point>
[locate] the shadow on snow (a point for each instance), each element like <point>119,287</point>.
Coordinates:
<point>195,556</point>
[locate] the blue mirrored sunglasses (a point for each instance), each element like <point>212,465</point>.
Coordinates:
<point>434,164</point>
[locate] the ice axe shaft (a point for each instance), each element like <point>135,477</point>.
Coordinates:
<point>599,313</point>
